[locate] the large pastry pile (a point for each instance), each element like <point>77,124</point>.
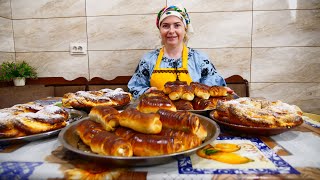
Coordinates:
<point>254,112</point>
<point>135,133</point>
<point>31,118</point>
<point>181,96</point>
<point>85,100</point>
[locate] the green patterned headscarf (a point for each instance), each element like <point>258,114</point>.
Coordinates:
<point>177,11</point>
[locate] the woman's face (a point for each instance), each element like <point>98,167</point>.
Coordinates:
<point>172,31</point>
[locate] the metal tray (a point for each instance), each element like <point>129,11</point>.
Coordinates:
<point>71,141</point>
<point>246,130</point>
<point>74,116</point>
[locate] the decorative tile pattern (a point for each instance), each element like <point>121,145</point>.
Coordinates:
<point>17,170</point>
<point>25,9</point>
<point>48,34</point>
<point>214,5</point>
<point>57,64</point>
<point>121,7</point>
<point>6,35</point>
<point>289,4</point>
<point>114,62</point>
<point>282,167</point>
<point>285,64</point>
<point>293,28</point>
<point>5,9</point>
<point>221,29</point>
<point>122,32</point>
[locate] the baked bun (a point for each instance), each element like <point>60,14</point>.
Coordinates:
<point>101,141</point>
<point>107,116</point>
<point>183,104</point>
<point>154,103</point>
<point>201,90</point>
<point>182,121</point>
<point>216,91</point>
<point>148,123</point>
<point>150,145</point>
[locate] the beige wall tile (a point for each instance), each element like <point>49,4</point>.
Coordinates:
<point>221,29</point>
<point>286,28</point>
<point>213,5</point>
<point>6,57</point>
<point>288,4</point>
<point>48,34</point>
<point>6,35</point>
<point>123,7</point>
<point>5,9</point>
<point>286,64</point>
<point>122,32</point>
<point>22,9</point>
<point>231,61</point>
<point>110,64</point>
<point>304,95</point>
<point>57,64</point>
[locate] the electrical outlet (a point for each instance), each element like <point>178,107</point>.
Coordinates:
<point>78,48</point>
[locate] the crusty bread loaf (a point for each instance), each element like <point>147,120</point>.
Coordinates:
<point>107,116</point>
<point>101,141</point>
<point>150,145</point>
<point>154,103</point>
<point>148,123</point>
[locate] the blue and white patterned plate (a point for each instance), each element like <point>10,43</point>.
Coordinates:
<point>270,163</point>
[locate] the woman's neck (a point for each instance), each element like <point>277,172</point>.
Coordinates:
<point>174,52</point>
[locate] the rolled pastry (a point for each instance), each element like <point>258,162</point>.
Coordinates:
<point>201,90</point>
<point>154,103</point>
<point>150,145</point>
<point>107,116</point>
<point>216,91</point>
<point>148,123</point>
<point>103,142</point>
<point>189,140</point>
<point>182,121</point>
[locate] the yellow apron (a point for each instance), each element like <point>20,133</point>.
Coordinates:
<point>162,75</point>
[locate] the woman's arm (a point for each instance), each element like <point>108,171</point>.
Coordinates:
<point>140,81</point>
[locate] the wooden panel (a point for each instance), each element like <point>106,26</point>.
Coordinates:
<point>17,95</point>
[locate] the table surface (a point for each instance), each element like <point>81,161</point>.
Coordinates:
<point>295,151</point>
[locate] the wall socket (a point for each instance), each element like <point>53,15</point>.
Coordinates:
<point>78,48</point>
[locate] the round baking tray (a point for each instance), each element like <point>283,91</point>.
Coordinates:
<point>70,140</point>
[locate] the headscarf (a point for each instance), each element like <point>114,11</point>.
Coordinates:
<point>178,11</point>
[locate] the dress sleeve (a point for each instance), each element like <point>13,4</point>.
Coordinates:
<point>209,74</point>
<point>140,81</point>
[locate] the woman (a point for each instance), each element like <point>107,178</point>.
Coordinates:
<point>174,61</point>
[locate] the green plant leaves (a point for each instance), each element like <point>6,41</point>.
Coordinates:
<point>10,70</point>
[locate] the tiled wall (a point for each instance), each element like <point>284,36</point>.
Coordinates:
<point>274,44</point>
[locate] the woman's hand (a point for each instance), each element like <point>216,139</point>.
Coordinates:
<point>151,89</point>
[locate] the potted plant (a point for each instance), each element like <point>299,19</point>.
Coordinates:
<point>17,71</point>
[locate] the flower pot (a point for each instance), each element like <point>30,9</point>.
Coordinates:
<point>19,81</point>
